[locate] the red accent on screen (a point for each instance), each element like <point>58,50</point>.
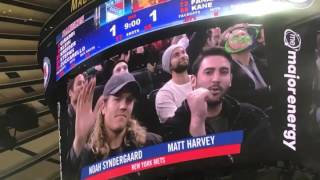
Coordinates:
<point>170,159</point>
<point>148,27</point>
<point>119,5</point>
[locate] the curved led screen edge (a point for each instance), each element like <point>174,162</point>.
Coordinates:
<point>117,21</point>
<point>268,90</point>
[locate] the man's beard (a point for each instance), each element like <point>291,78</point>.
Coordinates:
<point>180,68</point>
<point>214,103</point>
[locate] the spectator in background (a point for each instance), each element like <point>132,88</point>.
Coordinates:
<point>156,50</point>
<point>120,67</point>
<point>114,65</point>
<point>158,47</point>
<point>136,58</point>
<point>202,40</point>
<point>142,57</point>
<point>258,49</point>
<point>74,87</point>
<point>249,83</point>
<point>97,71</point>
<point>175,61</point>
<point>213,38</point>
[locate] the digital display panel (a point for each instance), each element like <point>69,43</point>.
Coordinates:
<point>266,95</point>
<point>265,91</point>
<point>119,20</point>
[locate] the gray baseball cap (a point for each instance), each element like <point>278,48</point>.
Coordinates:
<point>119,81</point>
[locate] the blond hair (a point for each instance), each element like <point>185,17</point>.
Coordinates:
<point>135,134</point>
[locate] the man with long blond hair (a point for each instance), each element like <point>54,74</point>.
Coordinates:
<point>108,129</point>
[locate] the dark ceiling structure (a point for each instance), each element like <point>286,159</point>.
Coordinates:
<point>25,153</point>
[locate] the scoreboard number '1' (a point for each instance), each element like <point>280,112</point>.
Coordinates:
<point>113,30</point>
<point>153,15</point>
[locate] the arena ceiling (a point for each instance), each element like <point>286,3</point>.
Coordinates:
<point>33,153</point>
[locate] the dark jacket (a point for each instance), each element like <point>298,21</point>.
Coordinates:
<point>67,132</point>
<point>87,157</point>
<point>256,144</point>
<point>243,87</point>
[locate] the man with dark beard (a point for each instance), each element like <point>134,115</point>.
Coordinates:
<point>207,109</point>
<point>175,61</point>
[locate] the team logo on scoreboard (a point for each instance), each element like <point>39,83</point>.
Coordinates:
<point>46,71</point>
<point>301,3</point>
<point>114,9</point>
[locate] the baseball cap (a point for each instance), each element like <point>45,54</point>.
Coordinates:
<point>117,82</point>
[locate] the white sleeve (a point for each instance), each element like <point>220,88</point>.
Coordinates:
<point>165,105</point>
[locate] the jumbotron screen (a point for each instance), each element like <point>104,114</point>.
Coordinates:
<point>188,89</point>
<point>117,21</point>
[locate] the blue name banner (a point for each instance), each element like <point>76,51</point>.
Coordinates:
<point>188,148</point>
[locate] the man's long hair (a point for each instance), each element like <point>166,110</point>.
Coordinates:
<point>135,135</point>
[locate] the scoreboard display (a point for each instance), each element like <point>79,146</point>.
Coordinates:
<point>274,78</point>
<point>117,21</point>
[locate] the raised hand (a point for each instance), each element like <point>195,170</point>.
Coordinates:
<point>85,117</point>
<point>197,101</point>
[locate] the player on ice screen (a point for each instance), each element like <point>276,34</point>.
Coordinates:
<point>187,89</point>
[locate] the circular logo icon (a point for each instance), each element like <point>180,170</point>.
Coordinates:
<point>292,39</point>
<point>46,71</point>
